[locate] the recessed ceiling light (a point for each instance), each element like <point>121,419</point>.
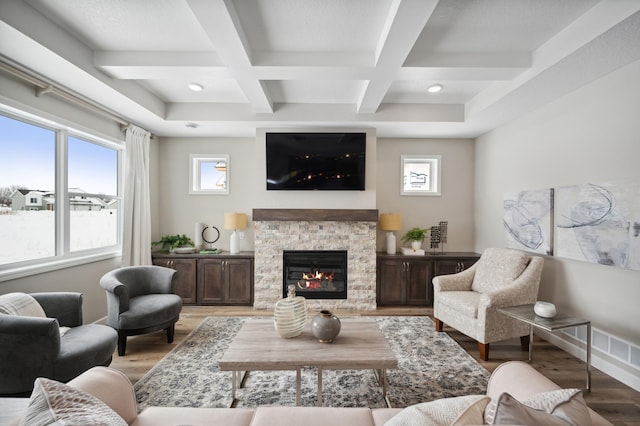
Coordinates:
<point>196,87</point>
<point>434,88</point>
<point>192,125</point>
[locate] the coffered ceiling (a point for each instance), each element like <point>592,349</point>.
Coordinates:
<point>320,63</point>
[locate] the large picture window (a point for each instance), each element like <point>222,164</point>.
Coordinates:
<point>59,193</point>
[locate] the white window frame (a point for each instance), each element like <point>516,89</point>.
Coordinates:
<point>409,163</point>
<point>196,186</point>
<point>63,257</point>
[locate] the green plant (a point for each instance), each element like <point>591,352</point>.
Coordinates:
<point>415,234</point>
<point>174,241</point>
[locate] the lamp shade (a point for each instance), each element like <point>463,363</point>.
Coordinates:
<point>235,221</point>
<point>390,222</point>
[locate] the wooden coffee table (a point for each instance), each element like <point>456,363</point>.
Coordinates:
<point>359,346</point>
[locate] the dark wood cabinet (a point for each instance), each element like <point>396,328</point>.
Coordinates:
<point>222,279</point>
<point>403,281</point>
<point>225,281</point>
<point>185,278</point>
<point>417,278</point>
<point>406,280</point>
<point>452,266</point>
<point>389,286</point>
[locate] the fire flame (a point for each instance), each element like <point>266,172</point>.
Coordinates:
<point>314,280</point>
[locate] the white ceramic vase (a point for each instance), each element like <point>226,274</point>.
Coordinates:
<point>416,244</point>
<point>290,314</point>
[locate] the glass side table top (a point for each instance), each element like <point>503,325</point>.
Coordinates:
<point>525,313</point>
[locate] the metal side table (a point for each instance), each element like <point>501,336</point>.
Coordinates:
<point>526,314</point>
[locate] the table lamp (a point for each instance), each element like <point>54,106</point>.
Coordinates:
<point>391,222</point>
<point>235,221</point>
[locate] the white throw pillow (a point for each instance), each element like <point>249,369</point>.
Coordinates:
<point>54,403</point>
<point>455,411</point>
<point>20,304</point>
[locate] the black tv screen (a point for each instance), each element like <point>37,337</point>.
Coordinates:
<point>316,161</point>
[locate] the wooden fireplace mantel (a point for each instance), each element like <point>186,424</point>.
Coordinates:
<point>339,215</point>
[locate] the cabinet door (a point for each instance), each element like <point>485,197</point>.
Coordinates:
<point>211,281</point>
<point>452,266</point>
<point>390,289</point>
<point>185,277</point>
<point>416,278</point>
<point>239,280</point>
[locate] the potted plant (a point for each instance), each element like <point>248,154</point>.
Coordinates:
<point>172,242</point>
<point>415,236</point>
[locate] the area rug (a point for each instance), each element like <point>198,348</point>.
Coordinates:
<point>430,366</point>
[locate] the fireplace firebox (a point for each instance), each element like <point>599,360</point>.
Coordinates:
<point>316,274</point>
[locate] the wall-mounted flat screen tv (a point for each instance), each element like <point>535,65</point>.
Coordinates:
<point>316,161</point>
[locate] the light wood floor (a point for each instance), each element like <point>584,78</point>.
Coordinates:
<point>613,400</point>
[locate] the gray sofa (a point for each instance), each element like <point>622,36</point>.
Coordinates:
<point>32,346</point>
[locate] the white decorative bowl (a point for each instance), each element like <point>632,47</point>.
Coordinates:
<point>545,309</point>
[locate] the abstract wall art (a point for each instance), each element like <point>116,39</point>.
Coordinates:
<point>599,223</point>
<point>528,217</point>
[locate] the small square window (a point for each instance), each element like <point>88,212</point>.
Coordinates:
<point>420,175</point>
<point>209,174</point>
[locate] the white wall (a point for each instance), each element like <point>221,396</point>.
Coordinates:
<point>177,211</point>
<point>589,136</point>
<point>455,205</point>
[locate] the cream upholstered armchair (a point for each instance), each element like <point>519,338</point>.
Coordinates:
<point>468,301</point>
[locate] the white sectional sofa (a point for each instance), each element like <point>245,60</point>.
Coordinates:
<point>114,389</point>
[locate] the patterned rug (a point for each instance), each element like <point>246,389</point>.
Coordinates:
<point>430,366</point>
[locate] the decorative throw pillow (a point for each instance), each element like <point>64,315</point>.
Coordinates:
<point>559,407</point>
<point>20,304</point>
<point>57,403</point>
<point>497,268</point>
<point>455,411</point>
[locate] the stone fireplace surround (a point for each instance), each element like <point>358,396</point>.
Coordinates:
<point>352,230</point>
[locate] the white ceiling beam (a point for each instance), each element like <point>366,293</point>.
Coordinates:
<point>576,36</point>
<point>469,60</point>
<point>405,22</point>
<point>313,113</point>
<point>220,21</point>
<point>165,65</point>
<point>159,65</point>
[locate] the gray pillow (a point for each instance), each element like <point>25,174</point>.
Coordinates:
<point>560,407</point>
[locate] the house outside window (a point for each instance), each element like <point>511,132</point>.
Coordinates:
<point>42,220</point>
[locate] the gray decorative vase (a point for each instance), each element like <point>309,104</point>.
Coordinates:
<point>325,326</point>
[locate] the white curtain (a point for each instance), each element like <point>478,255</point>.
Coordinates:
<point>136,241</point>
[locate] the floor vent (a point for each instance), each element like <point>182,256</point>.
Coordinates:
<point>608,344</point>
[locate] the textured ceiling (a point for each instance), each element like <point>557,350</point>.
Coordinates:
<point>320,63</point>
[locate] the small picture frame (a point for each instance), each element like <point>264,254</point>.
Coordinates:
<point>208,174</point>
<point>420,175</point>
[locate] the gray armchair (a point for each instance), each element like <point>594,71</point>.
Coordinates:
<point>32,346</point>
<point>140,300</point>
<point>468,301</point>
